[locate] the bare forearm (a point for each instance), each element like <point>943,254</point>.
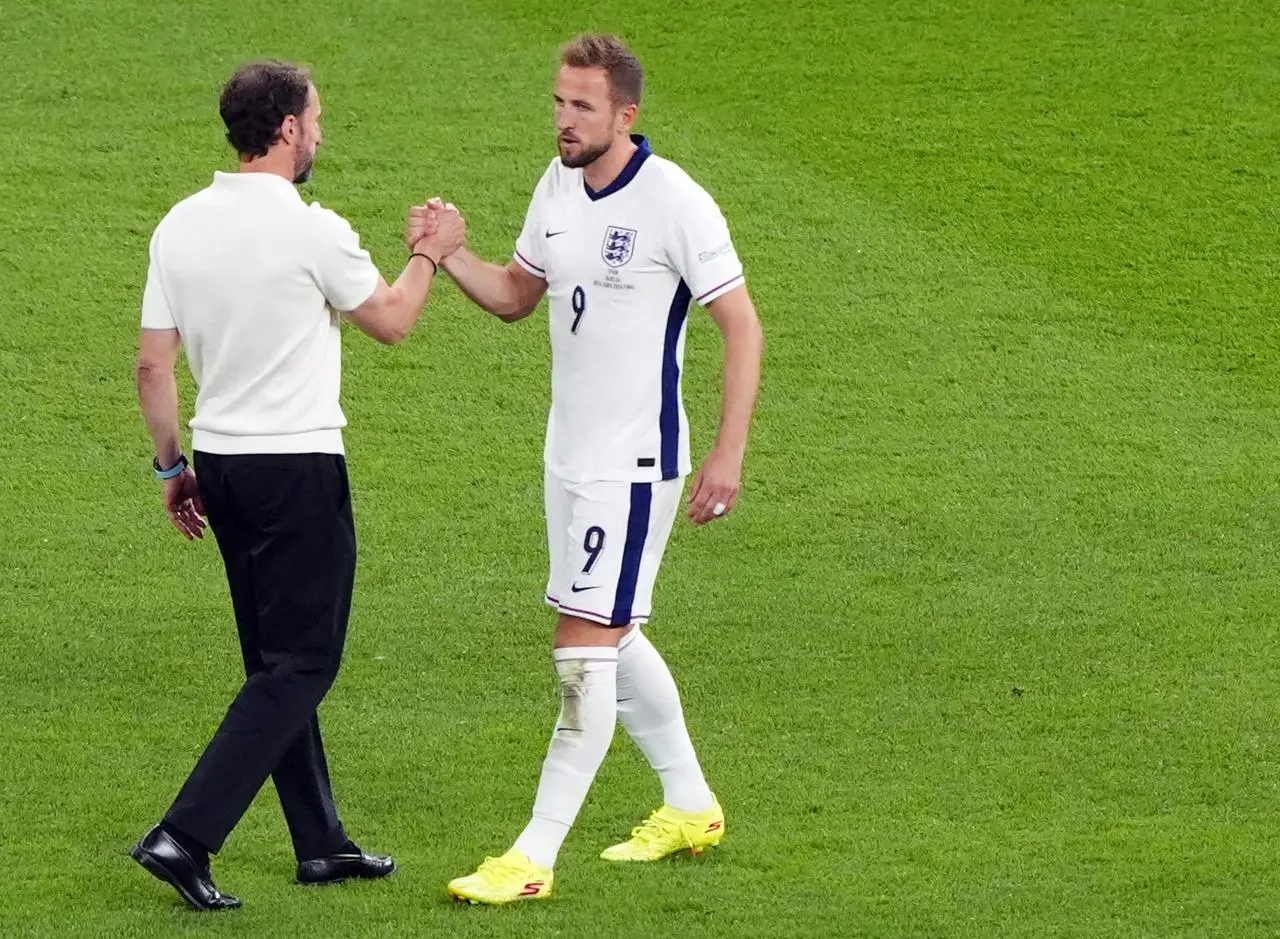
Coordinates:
<point>158,395</point>
<point>489,286</point>
<point>743,348</point>
<point>411,289</point>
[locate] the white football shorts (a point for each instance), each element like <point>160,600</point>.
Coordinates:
<point>606,540</point>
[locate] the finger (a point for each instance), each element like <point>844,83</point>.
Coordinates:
<point>695,512</point>
<point>697,487</point>
<point>177,523</point>
<point>195,523</point>
<point>713,498</point>
<point>182,518</point>
<point>713,502</point>
<point>435,202</point>
<point>702,493</point>
<point>700,511</point>
<point>724,501</point>
<point>694,495</point>
<point>190,505</point>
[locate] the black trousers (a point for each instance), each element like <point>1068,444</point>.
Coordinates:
<point>285,530</point>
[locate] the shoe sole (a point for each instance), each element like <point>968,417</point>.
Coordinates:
<point>471,901</point>
<point>159,872</point>
<point>692,852</point>
<point>343,880</point>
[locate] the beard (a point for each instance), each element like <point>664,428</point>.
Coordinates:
<point>585,157</point>
<point>303,163</point>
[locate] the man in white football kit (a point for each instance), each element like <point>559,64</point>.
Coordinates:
<point>621,241</point>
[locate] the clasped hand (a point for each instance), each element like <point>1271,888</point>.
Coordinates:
<point>435,229</point>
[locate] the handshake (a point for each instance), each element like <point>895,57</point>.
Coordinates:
<point>435,229</point>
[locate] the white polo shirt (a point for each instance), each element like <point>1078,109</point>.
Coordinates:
<point>253,278</point>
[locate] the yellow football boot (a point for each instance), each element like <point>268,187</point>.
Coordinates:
<point>504,880</point>
<point>669,831</point>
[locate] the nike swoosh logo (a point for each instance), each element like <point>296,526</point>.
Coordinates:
<point>576,589</point>
<point>552,234</point>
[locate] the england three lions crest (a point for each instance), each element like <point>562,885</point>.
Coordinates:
<point>619,245</point>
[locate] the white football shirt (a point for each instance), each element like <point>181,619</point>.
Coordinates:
<point>621,267</point>
<point>250,275</point>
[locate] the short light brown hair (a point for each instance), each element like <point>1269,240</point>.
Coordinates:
<point>600,50</point>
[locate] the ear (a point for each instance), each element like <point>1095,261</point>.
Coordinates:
<point>289,129</point>
<point>627,118</point>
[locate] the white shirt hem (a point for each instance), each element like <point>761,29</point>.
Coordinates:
<point>598,474</point>
<point>313,441</point>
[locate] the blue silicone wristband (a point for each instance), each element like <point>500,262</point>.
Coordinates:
<point>177,469</point>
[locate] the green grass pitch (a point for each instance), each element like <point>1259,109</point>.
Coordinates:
<point>989,648</point>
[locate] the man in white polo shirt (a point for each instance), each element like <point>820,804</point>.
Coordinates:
<point>251,281</point>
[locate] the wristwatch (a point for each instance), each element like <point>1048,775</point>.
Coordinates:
<point>177,469</point>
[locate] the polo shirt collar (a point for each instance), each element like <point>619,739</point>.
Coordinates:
<point>266,182</point>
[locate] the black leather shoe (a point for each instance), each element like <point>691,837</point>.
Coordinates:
<point>335,868</point>
<point>167,860</point>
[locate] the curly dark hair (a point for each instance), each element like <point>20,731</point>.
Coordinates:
<point>256,101</point>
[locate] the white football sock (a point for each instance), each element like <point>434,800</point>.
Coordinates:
<point>649,708</point>
<point>584,730</point>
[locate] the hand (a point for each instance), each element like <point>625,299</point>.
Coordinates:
<point>182,503</point>
<point>450,232</point>
<point>716,486</point>
<point>422,222</point>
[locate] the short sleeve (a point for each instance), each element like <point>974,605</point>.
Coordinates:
<point>529,246</point>
<point>342,269</point>
<point>156,311</point>
<point>700,248</point>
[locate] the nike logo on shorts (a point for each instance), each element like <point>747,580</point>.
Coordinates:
<point>576,589</point>
<point>552,234</point>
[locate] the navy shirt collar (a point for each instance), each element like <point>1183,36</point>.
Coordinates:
<point>643,152</point>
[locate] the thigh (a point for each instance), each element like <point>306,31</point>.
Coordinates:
<point>298,509</point>
<point>613,546</point>
<point>663,509</point>
<point>558,507</point>
<point>235,544</point>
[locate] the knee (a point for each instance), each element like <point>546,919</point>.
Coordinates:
<point>311,672</point>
